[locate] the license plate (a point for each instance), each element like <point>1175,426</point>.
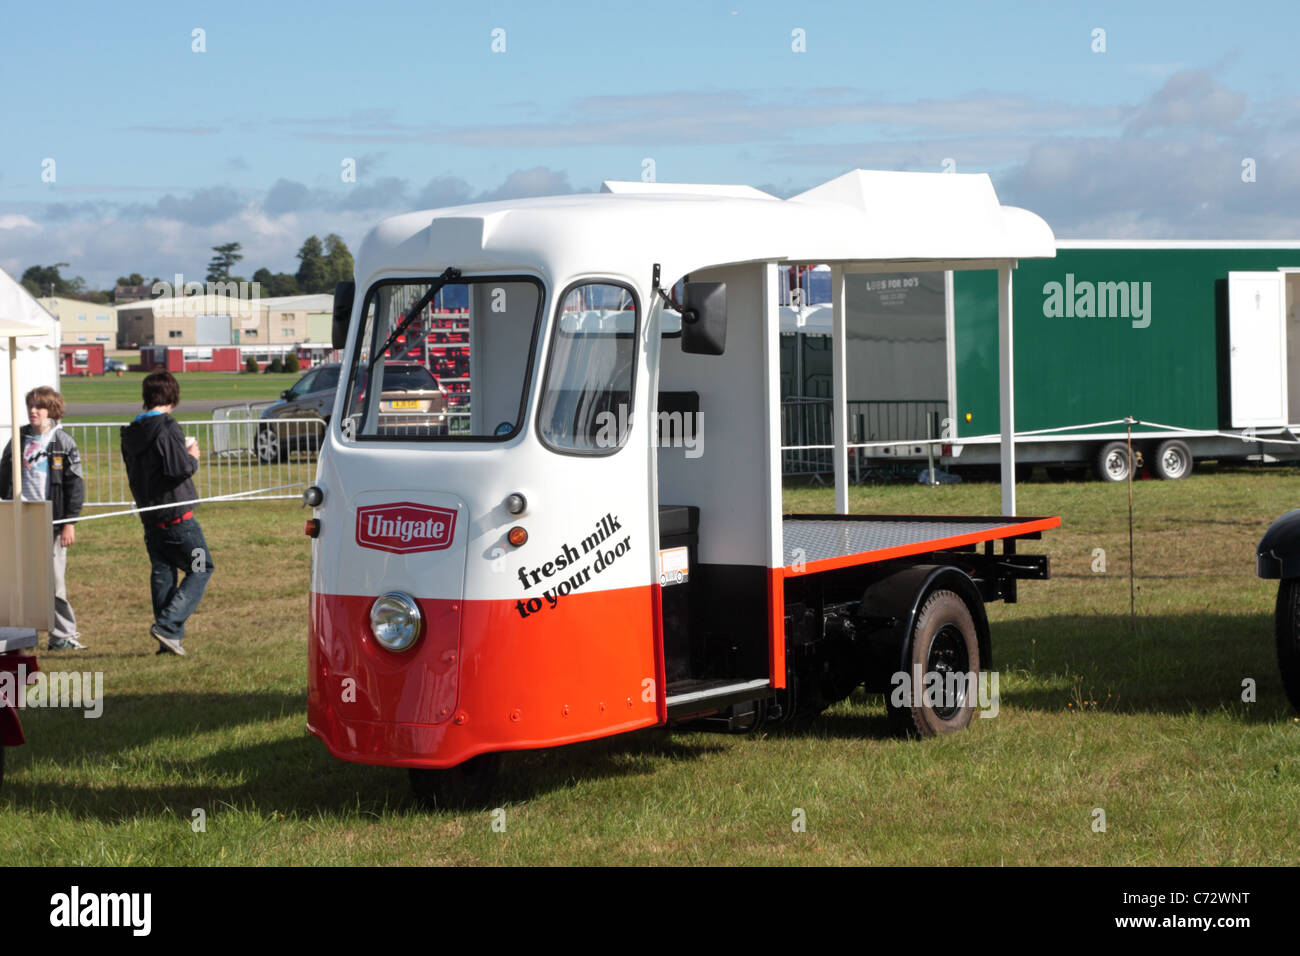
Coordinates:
<point>404,404</point>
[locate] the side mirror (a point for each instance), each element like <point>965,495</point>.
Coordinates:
<point>287,394</point>
<point>704,318</point>
<point>344,293</point>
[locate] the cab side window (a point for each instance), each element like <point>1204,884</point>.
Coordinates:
<point>586,405</point>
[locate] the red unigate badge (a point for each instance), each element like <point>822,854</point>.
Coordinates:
<point>404,527</point>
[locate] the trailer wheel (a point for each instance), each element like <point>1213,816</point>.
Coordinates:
<point>1286,625</point>
<point>1112,462</point>
<point>465,784</point>
<point>944,642</point>
<point>1173,460</point>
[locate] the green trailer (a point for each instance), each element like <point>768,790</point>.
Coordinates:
<point>1197,341</point>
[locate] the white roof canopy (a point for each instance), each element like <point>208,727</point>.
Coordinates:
<point>863,216</point>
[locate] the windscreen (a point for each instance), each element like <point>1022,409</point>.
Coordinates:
<point>455,367</point>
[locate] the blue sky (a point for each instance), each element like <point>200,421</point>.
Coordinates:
<point>161,152</point>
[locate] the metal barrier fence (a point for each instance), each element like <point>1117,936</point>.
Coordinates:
<point>237,455</point>
<point>241,453</point>
<point>807,421</point>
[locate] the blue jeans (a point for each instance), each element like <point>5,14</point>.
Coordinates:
<point>178,547</point>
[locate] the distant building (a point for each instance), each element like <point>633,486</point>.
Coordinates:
<point>192,320</point>
<point>82,359</point>
<point>131,293</point>
<point>261,328</point>
<point>179,359</point>
<point>82,322</point>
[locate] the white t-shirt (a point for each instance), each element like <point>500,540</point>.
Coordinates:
<point>36,465</point>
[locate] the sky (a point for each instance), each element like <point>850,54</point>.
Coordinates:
<point>136,136</point>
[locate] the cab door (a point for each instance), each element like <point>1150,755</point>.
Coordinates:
<point>573,608</point>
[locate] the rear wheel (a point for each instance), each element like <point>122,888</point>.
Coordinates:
<point>1113,462</point>
<point>462,785</point>
<point>1173,460</point>
<point>1286,626</point>
<point>945,653</point>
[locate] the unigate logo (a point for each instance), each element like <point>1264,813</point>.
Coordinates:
<point>404,527</point>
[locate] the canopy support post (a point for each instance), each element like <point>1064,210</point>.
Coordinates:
<point>839,391</point>
<point>16,608</point>
<point>1007,392</point>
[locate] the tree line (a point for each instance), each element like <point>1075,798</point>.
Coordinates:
<point>321,263</point>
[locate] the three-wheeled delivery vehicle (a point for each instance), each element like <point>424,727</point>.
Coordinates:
<point>594,542</point>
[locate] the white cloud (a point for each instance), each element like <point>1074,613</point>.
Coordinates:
<point>103,240</point>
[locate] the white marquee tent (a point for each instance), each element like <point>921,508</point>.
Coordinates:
<point>38,356</point>
<point>29,337</point>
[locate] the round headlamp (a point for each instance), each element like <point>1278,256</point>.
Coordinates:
<point>395,620</point>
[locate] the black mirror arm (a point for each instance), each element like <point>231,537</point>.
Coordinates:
<point>689,316</point>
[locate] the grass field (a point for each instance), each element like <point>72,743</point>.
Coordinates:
<point>195,386</point>
<point>1146,723</point>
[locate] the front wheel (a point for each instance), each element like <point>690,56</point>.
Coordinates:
<point>1286,626</point>
<point>939,693</point>
<point>1113,462</point>
<point>270,447</point>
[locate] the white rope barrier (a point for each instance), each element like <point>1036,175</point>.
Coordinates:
<point>174,504</point>
<point>1245,438</point>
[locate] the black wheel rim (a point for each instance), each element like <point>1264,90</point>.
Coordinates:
<point>948,656</point>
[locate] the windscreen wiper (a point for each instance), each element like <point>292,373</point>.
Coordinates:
<point>450,273</point>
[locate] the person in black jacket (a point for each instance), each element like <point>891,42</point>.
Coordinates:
<point>159,463</point>
<point>51,472</point>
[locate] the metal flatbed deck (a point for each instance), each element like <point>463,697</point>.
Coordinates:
<point>826,542</point>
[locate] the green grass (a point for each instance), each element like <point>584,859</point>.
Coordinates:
<point>195,386</point>
<point>1146,723</point>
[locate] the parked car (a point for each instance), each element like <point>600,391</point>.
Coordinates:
<point>412,397</point>
<point>114,365</point>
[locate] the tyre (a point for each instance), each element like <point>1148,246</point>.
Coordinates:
<point>1286,625</point>
<point>1113,462</point>
<point>944,642</point>
<point>1173,460</point>
<point>270,447</point>
<point>465,784</point>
